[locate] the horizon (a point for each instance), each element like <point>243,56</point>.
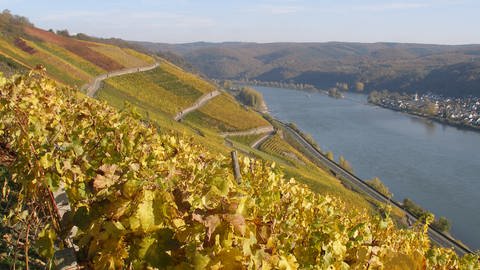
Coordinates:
<point>444,22</point>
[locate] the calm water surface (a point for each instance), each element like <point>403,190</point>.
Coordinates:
<point>436,165</point>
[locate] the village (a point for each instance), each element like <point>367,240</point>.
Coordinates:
<point>460,111</point>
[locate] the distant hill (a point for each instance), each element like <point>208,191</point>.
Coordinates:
<point>394,66</point>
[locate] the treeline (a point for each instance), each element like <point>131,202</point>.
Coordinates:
<point>442,224</point>
<point>12,25</point>
<point>251,97</point>
<point>289,85</point>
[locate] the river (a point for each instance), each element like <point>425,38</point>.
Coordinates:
<point>435,165</point>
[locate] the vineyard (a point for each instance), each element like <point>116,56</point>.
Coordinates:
<point>247,140</point>
<point>276,146</point>
<point>224,114</point>
<point>71,58</point>
<point>9,66</point>
<point>35,59</point>
<point>141,199</point>
<point>70,61</point>
<point>156,89</point>
<point>123,56</point>
<point>188,78</point>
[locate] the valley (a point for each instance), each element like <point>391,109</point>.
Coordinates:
<point>138,149</point>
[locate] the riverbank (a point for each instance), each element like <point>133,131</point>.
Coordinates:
<point>459,125</point>
<point>426,163</point>
<point>353,182</point>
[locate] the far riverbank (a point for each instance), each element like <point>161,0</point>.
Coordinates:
<point>437,119</point>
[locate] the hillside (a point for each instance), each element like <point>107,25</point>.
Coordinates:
<point>149,191</point>
<point>70,61</point>
<point>394,66</point>
<point>141,199</point>
<point>157,95</point>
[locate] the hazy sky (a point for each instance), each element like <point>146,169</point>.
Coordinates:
<point>175,21</point>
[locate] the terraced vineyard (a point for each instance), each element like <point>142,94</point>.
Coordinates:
<point>145,200</point>
<point>306,172</point>
<point>224,114</point>
<point>247,140</point>
<point>276,146</point>
<point>187,78</point>
<point>157,89</point>
<point>70,61</point>
<point>9,66</point>
<point>124,57</point>
<point>158,95</point>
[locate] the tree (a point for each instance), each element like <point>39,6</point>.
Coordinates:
<point>359,86</point>
<point>442,224</point>
<point>227,84</point>
<point>345,164</point>
<point>342,86</point>
<point>63,33</point>
<point>378,185</point>
<point>251,97</point>
<point>333,92</point>
<point>330,155</point>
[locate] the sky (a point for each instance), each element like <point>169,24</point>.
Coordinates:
<point>181,21</point>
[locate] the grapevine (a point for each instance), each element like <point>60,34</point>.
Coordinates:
<point>142,199</point>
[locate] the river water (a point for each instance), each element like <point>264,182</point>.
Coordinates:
<point>435,165</point>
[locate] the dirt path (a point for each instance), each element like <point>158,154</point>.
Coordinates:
<point>258,142</point>
<point>199,103</point>
<point>93,87</point>
<point>253,131</point>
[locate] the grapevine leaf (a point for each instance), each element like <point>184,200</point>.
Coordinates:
<point>237,221</point>
<point>45,242</point>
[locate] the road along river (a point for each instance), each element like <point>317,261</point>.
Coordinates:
<point>436,165</point>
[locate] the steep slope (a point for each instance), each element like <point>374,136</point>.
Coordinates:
<point>68,60</point>
<point>143,200</point>
<point>157,94</point>
<point>168,89</point>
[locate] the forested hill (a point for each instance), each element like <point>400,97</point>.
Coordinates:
<point>392,66</point>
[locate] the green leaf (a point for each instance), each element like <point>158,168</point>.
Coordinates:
<point>46,161</point>
<point>81,218</point>
<point>45,242</point>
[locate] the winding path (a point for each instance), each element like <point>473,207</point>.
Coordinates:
<point>199,103</point>
<point>253,131</point>
<point>256,144</point>
<point>436,236</point>
<point>92,88</point>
